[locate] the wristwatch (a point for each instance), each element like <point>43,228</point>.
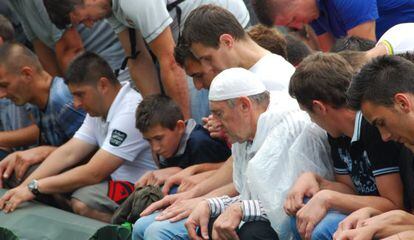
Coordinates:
<point>33,187</point>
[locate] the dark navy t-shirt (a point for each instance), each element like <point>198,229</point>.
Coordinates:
<point>200,148</point>
<point>339,16</point>
<point>365,156</point>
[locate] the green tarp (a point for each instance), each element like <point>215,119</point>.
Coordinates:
<point>36,221</point>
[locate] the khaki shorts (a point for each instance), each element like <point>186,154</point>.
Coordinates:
<point>105,196</point>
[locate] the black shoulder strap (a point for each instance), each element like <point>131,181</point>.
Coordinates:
<point>134,52</point>
<point>172,5</point>
<point>132,37</point>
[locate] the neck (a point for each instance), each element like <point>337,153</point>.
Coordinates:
<point>110,98</point>
<point>249,53</point>
<point>346,119</point>
<point>41,86</point>
<point>255,118</point>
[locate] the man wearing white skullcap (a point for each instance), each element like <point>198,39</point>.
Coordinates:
<point>273,142</point>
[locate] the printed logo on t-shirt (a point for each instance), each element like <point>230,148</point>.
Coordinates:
<point>117,138</point>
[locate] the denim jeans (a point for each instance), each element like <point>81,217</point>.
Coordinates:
<point>147,228</point>
<point>325,228</point>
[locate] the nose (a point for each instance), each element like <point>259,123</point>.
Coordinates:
<point>385,135</point>
<point>155,147</point>
<point>296,25</point>
<point>197,83</point>
<point>77,103</point>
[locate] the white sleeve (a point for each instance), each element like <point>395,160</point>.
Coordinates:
<point>150,17</point>
<point>86,132</point>
<point>123,139</point>
<point>399,39</point>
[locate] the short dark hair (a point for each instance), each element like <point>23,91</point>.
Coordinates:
<point>157,110</point>
<point>353,43</point>
<point>207,23</point>
<point>88,68</point>
<point>407,55</point>
<point>267,10</point>
<point>269,38</point>
<point>14,56</point>
<point>321,76</point>
<point>379,80</point>
<point>59,10</point>
<point>297,50</point>
<point>356,59</point>
<point>264,11</point>
<point>182,53</point>
<point>6,29</point>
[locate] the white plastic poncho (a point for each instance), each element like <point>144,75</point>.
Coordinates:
<point>286,144</point>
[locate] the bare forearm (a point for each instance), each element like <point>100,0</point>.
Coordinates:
<point>69,181</point>
<point>203,176</point>
<point>143,73</point>
<point>55,163</point>
<point>65,57</point>
<point>348,203</point>
<point>334,186</point>
<point>204,167</point>
<point>68,47</point>
<point>47,58</point>
<point>221,177</point>
<point>22,137</point>
<point>228,190</point>
<point>175,84</point>
<point>405,232</point>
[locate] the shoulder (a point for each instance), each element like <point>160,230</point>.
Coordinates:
<point>199,137</point>
<point>59,94</point>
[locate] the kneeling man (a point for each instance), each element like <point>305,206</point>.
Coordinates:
<point>273,142</point>
<point>108,132</point>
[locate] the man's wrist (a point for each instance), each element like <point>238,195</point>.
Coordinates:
<point>33,187</point>
<point>326,197</point>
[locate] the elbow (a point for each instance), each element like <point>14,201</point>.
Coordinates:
<point>93,177</point>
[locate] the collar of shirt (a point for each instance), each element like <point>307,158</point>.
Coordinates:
<point>189,127</point>
<point>117,103</point>
<point>357,127</point>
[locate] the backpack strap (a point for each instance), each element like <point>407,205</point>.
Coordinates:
<point>174,5</point>
<point>134,52</point>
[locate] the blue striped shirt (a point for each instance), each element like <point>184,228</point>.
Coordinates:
<point>59,121</point>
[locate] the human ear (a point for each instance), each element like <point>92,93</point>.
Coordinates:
<point>226,40</point>
<point>318,107</point>
<point>403,102</point>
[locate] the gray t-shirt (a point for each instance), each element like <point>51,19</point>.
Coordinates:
<point>100,39</point>
<point>151,17</point>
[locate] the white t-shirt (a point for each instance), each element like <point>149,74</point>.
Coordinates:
<point>151,17</point>
<point>274,71</point>
<point>399,39</point>
<point>118,136</point>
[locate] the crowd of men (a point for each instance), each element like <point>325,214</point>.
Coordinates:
<point>300,128</point>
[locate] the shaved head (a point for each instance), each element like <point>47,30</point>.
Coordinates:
<point>14,56</point>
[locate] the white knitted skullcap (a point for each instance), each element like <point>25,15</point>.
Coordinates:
<point>234,83</point>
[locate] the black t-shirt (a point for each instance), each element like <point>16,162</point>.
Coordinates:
<point>200,148</point>
<point>407,177</point>
<point>365,156</point>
